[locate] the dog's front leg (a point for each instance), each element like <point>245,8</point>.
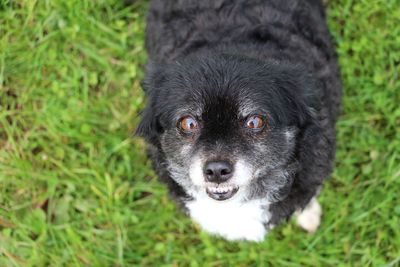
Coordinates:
<point>310,217</point>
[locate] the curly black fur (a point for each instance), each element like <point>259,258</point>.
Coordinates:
<point>215,54</point>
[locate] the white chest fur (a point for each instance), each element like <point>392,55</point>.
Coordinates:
<point>231,219</point>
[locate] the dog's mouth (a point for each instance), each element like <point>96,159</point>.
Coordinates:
<point>221,191</point>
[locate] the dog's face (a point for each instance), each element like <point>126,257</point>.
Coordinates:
<point>228,127</point>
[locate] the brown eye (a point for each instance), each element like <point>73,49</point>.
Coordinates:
<point>255,122</point>
<point>188,124</point>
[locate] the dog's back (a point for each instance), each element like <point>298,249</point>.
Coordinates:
<point>184,26</point>
<point>292,30</point>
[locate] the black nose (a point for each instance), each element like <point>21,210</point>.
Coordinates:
<point>218,171</point>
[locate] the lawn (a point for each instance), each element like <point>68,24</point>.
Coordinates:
<point>76,188</point>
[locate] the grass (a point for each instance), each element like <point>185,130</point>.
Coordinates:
<point>77,190</point>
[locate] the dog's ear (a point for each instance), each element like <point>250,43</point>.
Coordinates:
<point>314,141</point>
<point>315,146</point>
<point>155,76</point>
<point>149,126</point>
<point>298,88</point>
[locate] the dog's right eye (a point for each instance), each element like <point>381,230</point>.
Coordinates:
<point>188,124</point>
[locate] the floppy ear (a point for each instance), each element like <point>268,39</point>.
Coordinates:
<point>149,126</point>
<point>315,148</point>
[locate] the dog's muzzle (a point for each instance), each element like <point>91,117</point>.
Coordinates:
<point>217,174</point>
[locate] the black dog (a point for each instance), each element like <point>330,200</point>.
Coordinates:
<point>242,101</point>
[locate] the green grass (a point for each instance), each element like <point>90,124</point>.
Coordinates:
<point>77,190</point>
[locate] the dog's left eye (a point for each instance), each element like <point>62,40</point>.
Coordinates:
<point>255,122</point>
<point>188,124</point>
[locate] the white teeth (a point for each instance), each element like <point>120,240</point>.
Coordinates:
<point>220,189</point>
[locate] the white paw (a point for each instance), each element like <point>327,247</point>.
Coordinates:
<point>310,218</point>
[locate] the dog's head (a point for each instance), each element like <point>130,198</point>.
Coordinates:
<point>228,127</point>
